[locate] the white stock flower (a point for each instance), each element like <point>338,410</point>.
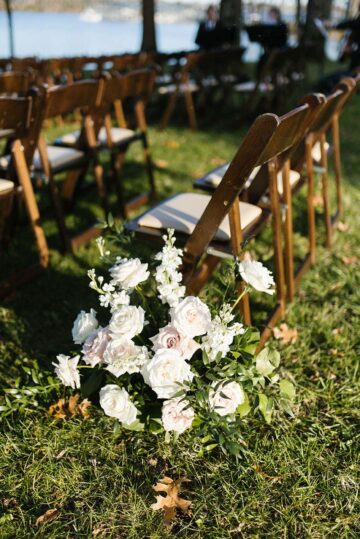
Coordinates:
<point>122,355</point>
<point>220,335</point>
<point>167,276</point>
<point>66,370</point>
<point>129,273</point>
<point>191,317</point>
<point>257,275</point>
<point>226,398</point>
<point>127,321</point>
<point>115,402</point>
<point>169,337</point>
<point>165,372</point>
<point>175,417</point>
<point>84,324</point>
<point>95,345</point>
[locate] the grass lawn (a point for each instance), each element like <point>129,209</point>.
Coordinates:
<point>300,478</point>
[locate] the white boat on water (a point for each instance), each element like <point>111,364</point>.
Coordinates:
<point>91,15</point>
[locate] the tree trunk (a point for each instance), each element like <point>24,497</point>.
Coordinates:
<point>231,18</point>
<point>10,28</point>
<point>149,34</point>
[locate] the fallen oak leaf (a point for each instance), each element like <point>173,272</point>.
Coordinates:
<point>49,515</point>
<point>349,260</point>
<point>318,201</point>
<point>285,334</point>
<point>343,227</point>
<point>172,144</point>
<point>63,409</point>
<point>172,500</point>
<point>160,163</point>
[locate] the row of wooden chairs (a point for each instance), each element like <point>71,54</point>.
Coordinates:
<point>75,152</point>
<point>275,158</point>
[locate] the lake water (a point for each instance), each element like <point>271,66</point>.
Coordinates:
<point>65,34</point>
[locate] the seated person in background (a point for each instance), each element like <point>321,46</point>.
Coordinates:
<point>350,51</point>
<point>271,34</point>
<point>211,33</point>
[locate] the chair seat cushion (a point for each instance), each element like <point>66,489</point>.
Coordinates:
<point>215,177</point>
<point>58,157</point>
<point>171,88</point>
<point>183,211</point>
<point>6,186</point>
<point>118,134</point>
<point>316,151</point>
<point>5,133</point>
<point>250,86</point>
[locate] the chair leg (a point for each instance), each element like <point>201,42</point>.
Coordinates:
<point>117,161</point>
<point>169,110</point>
<point>325,191</point>
<point>198,279</point>
<point>59,215</point>
<point>278,255</point>
<point>337,165</point>
<point>69,187</point>
<point>310,201</point>
<point>190,110</point>
<point>288,234</point>
<point>149,167</point>
<point>99,178</point>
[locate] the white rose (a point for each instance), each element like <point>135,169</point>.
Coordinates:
<point>66,370</point>
<point>95,345</point>
<point>169,337</point>
<point>127,321</point>
<point>226,398</point>
<point>115,402</point>
<point>165,372</point>
<point>257,275</point>
<point>122,355</point>
<point>175,417</point>
<point>84,324</point>
<point>129,273</point>
<point>191,317</point>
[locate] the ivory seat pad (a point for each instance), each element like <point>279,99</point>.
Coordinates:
<point>250,86</point>
<point>215,177</point>
<point>5,132</point>
<point>170,88</point>
<point>6,186</point>
<point>183,211</point>
<point>316,151</point>
<point>57,155</point>
<point>118,134</point>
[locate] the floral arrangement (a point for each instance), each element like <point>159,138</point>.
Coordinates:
<point>164,362</point>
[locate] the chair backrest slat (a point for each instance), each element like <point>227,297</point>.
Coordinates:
<point>15,113</point>
<point>83,95</point>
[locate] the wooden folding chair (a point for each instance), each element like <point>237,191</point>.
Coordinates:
<point>17,114</point>
<point>214,227</point>
<point>49,161</point>
<point>122,96</point>
<point>15,83</point>
<point>182,86</point>
<point>312,153</point>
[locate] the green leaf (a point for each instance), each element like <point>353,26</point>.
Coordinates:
<point>136,426</point>
<point>93,383</point>
<point>287,389</point>
<point>265,407</point>
<point>244,408</point>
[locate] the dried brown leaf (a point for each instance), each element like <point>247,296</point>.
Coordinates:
<point>172,500</point>
<point>285,334</point>
<point>217,161</point>
<point>343,227</point>
<point>50,514</point>
<point>173,144</point>
<point>195,174</point>
<point>274,478</point>
<point>350,260</point>
<point>160,163</point>
<point>63,409</point>
<point>318,201</point>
